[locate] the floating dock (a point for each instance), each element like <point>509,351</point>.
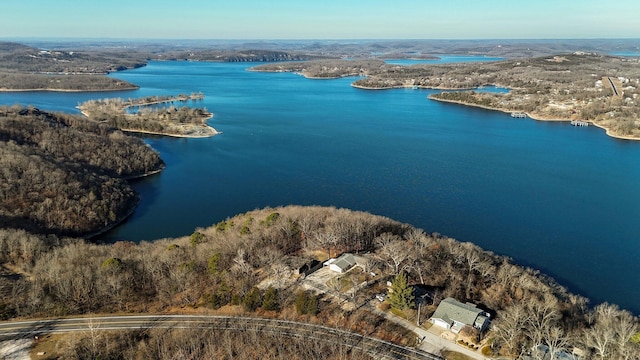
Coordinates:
<point>518,115</point>
<point>579,123</point>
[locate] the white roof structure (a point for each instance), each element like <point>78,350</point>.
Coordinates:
<point>343,263</point>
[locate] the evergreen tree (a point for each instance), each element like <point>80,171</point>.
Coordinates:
<point>252,299</point>
<point>270,299</point>
<point>306,304</point>
<point>212,264</point>
<point>401,294</point>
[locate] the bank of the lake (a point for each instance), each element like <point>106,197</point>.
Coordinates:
<point>558,198</point>
<point>535,116</point>
<point>67,90</point>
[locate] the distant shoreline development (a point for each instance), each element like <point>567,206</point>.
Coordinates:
<point>538,88</point>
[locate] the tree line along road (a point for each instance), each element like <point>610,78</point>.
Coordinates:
<point>376,347</point>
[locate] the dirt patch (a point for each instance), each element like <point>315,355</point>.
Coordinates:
<point>448,335</point>
<point>15,349</point>
<point>436,330</point>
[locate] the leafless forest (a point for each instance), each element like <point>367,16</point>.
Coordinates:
<point>227,267</point>
<point>63,174</point>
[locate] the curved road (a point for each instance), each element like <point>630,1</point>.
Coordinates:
<point>376,347</point>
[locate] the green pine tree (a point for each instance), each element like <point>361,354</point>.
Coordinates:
<point>212,264</point>
<point>252,300</point>
<point>401,294</point>
<point>306,304</point>
<point>270,299</point>
<point>301,302</point>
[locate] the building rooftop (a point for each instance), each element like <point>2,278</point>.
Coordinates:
<point>452,310</point>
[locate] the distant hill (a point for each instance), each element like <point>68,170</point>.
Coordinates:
<point>24,67</point>
<point>16,57</point>
<point>6,46</point>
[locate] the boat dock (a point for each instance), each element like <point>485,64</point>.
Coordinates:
<point>579,123</point>
<point>518,115</point>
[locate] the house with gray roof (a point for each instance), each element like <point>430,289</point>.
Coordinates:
<point>454,315</point>
<point>341,264</point>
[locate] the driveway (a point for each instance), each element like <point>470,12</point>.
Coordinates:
<point>432,341</point>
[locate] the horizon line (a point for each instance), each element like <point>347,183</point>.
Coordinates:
<point>68,38</point>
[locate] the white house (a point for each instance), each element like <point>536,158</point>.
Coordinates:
<point>454,315</point>
<point>342,264</point>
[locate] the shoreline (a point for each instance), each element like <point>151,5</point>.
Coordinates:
<point>68,90</point>
<point>148,173</point>
<point>114,224</point>
<point>208,131</point>
<point>423,87</point>
<point>130,211</point>
<point>213,132</point>
<point>537,117</point>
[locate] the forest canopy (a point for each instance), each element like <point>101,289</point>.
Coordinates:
<point>63,174</point>
<point>249,265</point>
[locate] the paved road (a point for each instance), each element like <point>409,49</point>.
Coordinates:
<point>378,348</point>
<point>613,86</point>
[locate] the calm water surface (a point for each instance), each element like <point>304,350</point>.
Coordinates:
<point>562,199</point>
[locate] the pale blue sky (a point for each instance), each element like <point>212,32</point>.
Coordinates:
<point>321,19</point>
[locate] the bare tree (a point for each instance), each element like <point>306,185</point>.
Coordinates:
<point>601,339</point>
<point>325,239</point>
<point>601,336</point>
<point>610,334</point>
<point>510,328</point>
<point>395,254</point>
<point>544,315</point>
<point>557,341</point>
<point>240,264</point>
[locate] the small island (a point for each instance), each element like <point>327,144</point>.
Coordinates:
<point>144,115</point>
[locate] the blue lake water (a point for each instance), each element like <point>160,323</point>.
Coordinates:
<point>626,53</point>
<point>561,199</point>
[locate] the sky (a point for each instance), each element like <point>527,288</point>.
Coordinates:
<point>320,19</point>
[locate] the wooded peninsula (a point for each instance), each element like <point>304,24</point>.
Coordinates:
<point>174,121</point>
<point>65,175</point>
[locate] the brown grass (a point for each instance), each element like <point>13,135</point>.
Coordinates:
<point>452,355</point>
<point>49,345</point>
